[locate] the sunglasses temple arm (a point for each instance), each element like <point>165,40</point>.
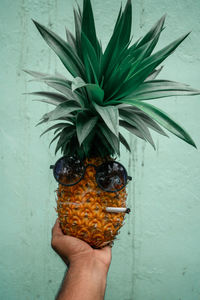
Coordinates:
<point>51,166</point>
<point>129,178</point>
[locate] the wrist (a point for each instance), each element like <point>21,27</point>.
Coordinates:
<point>84,274</point>
<point>90,265</point>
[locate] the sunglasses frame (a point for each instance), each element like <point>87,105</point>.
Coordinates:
<point>127,178</point>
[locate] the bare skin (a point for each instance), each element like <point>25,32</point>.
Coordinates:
<point>88,267</point>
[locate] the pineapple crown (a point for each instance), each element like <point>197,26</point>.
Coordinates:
<point>110,88</point>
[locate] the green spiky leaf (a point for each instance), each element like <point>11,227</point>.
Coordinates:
<point>87,143</point>
<point>160,89</point>
<point>154,74</point>
<point>84,125</point>
<point>64,137</point>
<point>132,129</point>
<point>62,110</point>
<point>163,119</point>
<point>153,32</point>
<point>53,98</point>
<point>119,40</point>
<point>147,67</point>
<point>148,121</point>
<point>90,59</point>
<point>136,121</point>
<point>110,137</point>
<point>66,54</point>
<point>110,116</point>
<point>54,139</point>
<point>77,22</point>
<point>88,25</point>
<point>96,94</point>
<point>71,40</point>
<point>59,126</point>
<point>124,142</point>
<point>110,88</point>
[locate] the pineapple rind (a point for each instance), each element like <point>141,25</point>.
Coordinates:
<point>82,209</point>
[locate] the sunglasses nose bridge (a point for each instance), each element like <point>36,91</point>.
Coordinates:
<point>90,165</point>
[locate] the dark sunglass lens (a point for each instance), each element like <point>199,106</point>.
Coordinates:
<point>111,176</point>
<point>68,170</point>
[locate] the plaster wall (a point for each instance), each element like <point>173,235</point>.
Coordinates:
<point>157,254</point>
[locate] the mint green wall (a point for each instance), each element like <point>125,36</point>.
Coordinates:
<point>157,254</point>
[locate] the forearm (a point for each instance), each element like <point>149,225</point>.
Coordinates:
<point>85,280</point>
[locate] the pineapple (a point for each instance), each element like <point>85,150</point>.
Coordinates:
<point>109,91</point>
<point>82,209</point>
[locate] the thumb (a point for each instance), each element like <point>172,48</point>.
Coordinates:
<point>56,230</point>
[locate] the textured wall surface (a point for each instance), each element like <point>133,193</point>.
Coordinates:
<point>157,255</point>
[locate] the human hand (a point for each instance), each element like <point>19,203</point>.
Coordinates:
<point>88,267</point>
<point>75,251</point>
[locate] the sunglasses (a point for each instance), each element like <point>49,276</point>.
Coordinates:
<point>111,176</point>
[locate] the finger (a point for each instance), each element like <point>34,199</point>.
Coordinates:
<point>57,236</point>
<point>56,230</point>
